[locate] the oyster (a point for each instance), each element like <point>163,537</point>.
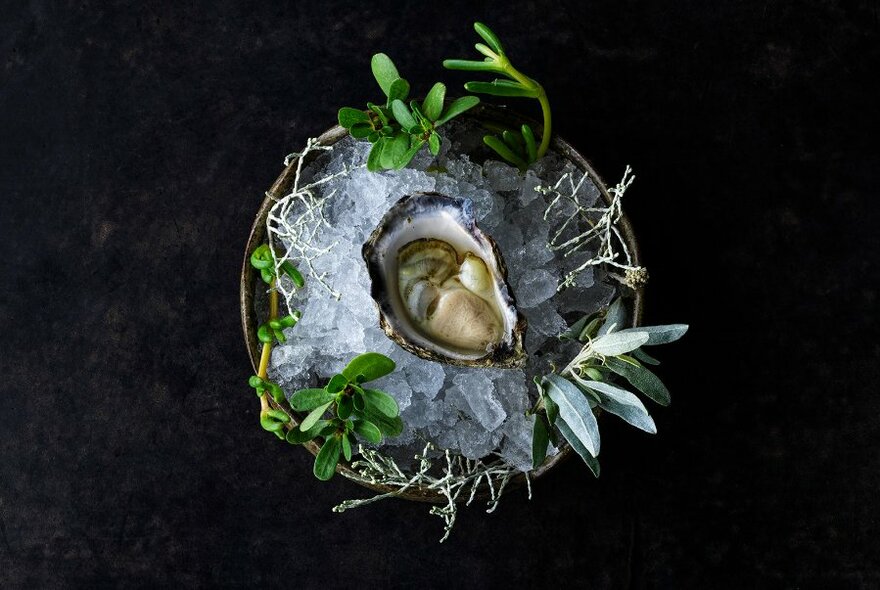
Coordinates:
<point>441,285</point>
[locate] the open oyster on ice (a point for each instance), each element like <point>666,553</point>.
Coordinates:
<point>441,284</point>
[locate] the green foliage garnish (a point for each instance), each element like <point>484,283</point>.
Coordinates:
<point>263,385</point>
<point>398,130</point>
<point>264,260</point>
<point>274,328</point>
<point>566,400</point>
<point>342,410</point>
<point>516,146</point>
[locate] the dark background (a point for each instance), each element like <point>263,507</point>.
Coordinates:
<point>136,145</point>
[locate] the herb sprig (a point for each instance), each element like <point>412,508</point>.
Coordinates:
<point>567,399</point>
<point>398,130</point>
<point>516,146</point>
<point>354,411</point>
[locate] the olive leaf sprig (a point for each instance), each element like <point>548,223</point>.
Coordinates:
<point>517,147</point>
<point>567,399</point>
<point>354,411</point>
<point>396,129</point>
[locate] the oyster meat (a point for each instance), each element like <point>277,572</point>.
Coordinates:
<point>440,284</point>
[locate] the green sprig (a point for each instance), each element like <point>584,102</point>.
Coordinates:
<point>517,147</point>
<point>567,400</point>
<point>263,259</point>
<point>399,130</point>
<point>343,410</point>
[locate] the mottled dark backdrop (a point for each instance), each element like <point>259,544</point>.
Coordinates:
<point>135,144</point>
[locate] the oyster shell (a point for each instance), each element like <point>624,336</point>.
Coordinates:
<point>441,284</point>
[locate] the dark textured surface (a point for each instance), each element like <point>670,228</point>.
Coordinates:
<point>136,143</point>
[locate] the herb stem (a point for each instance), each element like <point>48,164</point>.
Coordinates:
<point>540,94</point>
<point>263,371</point>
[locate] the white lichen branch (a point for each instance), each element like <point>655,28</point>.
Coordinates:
<point>458,474</point>
<point>295,220</point>
<point>593,227</point>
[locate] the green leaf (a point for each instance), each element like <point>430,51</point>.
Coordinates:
<point>255,381</point>
<point>388,426</point>
<point>540,441</point>
<point>290,270</point>
<point>645,357</point>
<point>346,447</point>
<point>514,142</point>
<point>575,330</point>
<point>267,274</point>
<point>552,409</point>
<point>361,130</point>
<point>357,399</point>
<point>619,342</point>
<point>368,367</point>
<point>500,88</point>
<point>349,117</point>
<point>574,409</point>
<point>579,448</point>
<point>269,424</point>
<point>344,407</point>
<point>434,144</point>
<point>402,114</point>
<point>410,154</point>
<point>458,106</point>
<point>395,151</point>
<point>487,51</point>
<point>327,459</point>
<point>623,403</point>
<point>502,150</point>
<point>471,66</point>
<point>640,378</point>
<point>433,105</point>
<point>290,320</point>
<point>384,72</point>
<point>615,318</point>
<point>262,257</point>
<point>314,416</point>
<point>264,334</point>
<point>309,399</point>
<point>529,139</point>
<point>489,37</point>
<point>374,160</point>
<point>368,431</point>
<point>380,112</point>
<point>275,391</point>
<point>295,436</point>
<point>382,402</point>
<point>399,90</point>
<point>660,334</point>
<point>337,383</point>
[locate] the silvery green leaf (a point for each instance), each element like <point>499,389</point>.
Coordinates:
<point>619,342</point>
<point>575,332</point>
<point>640,378</point>
<point>615,318</point>
<point>540,440</point>
<point>623,403</point>
<point>661,334</point>
<point>591,461</point>
<point>575,410</point>
<point>645,357</point>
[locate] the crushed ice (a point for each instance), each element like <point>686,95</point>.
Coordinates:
<point>468,410</point>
